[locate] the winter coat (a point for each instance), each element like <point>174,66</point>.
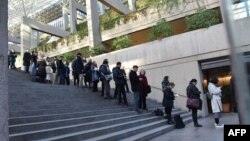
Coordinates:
<point>216,99</point>
<point>104,70</point>
<point>168,98</point>
<point>164,84</point>
<point>26,59</point>
<point>34,59</point>
<point>143,85</point>
<point>41,68</point>
<point>193,92</point>
<point>12,57</point>
<point>134,80</point>
<point>87,71</point>
<point>77,66</point>
<point>118,76</point>
<point>59,66</point>
<point>94,73</point>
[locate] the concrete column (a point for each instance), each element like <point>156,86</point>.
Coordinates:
<point>4,109</point>
<point>101,8</point>
<point>93,23</point>
<point>73,18</point>
<point>131,4</point>
<point>25,39</point>
<point>65,19</point>
<point>34,38</point>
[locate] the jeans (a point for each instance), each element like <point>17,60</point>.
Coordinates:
<point>81,78</point>
<point>194,115</point>
<point>27,69</point>
<point>136,100</point>
<point>107,89</point>
<point>121,94</point>
<point>142,101</point>
<point>76,79</point>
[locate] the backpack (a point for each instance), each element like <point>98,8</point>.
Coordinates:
<point>158,112</point>
<point>209,96</point>
<point>178,122</point>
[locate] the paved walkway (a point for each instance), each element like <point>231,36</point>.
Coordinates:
<point>207,133</point>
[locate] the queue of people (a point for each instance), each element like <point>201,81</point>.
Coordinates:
<point>56,71</point>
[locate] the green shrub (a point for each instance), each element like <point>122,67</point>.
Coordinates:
<point>161,30</point>
<point>122,42</point>
<point>94,51</point>
<point>69,56</point>
<point>204,18</point>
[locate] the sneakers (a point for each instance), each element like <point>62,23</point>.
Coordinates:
<point>220,125</point>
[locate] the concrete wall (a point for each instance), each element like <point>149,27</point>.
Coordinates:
<point>143,22</point>
<point>177,56</point>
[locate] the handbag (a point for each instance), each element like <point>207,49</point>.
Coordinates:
<point>108,77</point>
<point>209,96</point>
<point>148,89</point>
<point>193,103</point>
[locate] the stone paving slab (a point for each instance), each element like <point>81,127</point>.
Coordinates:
<point>207,133</point>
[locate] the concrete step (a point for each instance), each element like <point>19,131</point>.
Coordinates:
<point>49,117</point>
<point>79,131</point>
<point>155,132</point>
<point>132,131</point>
<point>111,118</point>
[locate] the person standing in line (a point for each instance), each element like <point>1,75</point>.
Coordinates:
<point>67,72</point>
<point>60,67</point>
<point>13,59</point>
<point>193,92</point>
<point>87,78</point>
<point>119,81</point>
<point>81,77</point>
<point>135,86</point>
<point>26,61</point>
<point>216,104</point>
<point>8,59</point>
<point>95,76</point>
<point>126,83</point>
<point>78,67</point>
<point>106,77</point>
<point>165,83</point>
<point>168,101</point>
<point>143,90</point>
<point>54,68</point>
<point>49,72</point>
<point>115,92</point>
<point>41,70</point>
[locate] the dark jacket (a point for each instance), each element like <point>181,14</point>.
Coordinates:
<point>164,84</point>
<point>12,56</point>
<point>143,85</point>
<point>34,59</point>
<point>87,71</point>
<point>41,68</point>
<point>118,76</point>
<point>26,59</point>
<point>60,66</point>
<point>168,98</point>
<point>134,80</point>
<point>104,70</point>
<point>77,65</point>
<point>192,91</point>
<point>67,71</point>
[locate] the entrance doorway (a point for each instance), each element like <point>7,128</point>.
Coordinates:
<point>223,72</point>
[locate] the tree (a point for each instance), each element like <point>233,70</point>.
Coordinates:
<point>4,112</point>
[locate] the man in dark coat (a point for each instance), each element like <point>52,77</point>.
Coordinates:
<point>59,69</point>
<point>135,85</point>
<point>26,61</point>
<point>78,68</point>
<point>194,93</point>
<point>120,83</point>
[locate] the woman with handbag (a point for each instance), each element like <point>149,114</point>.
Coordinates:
<point>168,101</point>
<point>216,104</point>
<point>143,90</point>
<point>194,93</point>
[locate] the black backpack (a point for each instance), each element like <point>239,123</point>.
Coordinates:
<point>178,122</point>
<point>158,112</point>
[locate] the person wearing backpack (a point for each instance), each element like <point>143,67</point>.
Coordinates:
<point>193,92</point>
<point>168,101</point>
